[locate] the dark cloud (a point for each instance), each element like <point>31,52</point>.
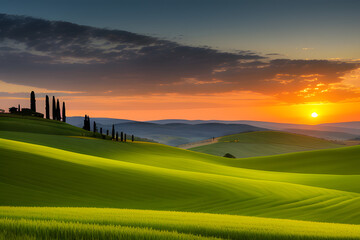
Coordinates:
<point>25,95</point>
<point>285,74</point>
<point>273,54</point>
<point>70,57</point>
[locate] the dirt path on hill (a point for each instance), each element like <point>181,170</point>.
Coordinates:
<point>199,143</point>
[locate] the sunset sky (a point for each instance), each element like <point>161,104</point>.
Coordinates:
<point>146,60</point>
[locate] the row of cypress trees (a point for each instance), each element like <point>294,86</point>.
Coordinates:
<point>114,135</point>
<point>56,111</point>
<point>123,136</point>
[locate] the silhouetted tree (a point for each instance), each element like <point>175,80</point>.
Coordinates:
<point>86,123</point>
<point>101,131</point>
<point>32,102</point>
<point>113,132</point>
<point>63,113</point>
<point>132,138</point>
<point>19,108</point>
<point>125,137</point>
<point>13,110</point>
<point>47,107</point>
<point>95,129</point>
<point>228,155</point>
<point>54,109</point>
<point>107,132</point>
<point>122,136</point>
<point>58,116</point>
<point>117,136</point>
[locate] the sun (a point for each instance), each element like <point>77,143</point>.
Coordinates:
<point>314,115</point>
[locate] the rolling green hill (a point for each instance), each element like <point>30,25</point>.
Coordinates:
<point>26,124</point>
<point>18,123</point>
<point>58,170</point>
<point>343,161</point>
<point>263,143</point>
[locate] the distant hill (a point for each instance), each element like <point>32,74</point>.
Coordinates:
<point>323,134</point>
<point>273,125</point>
<point>331,131</point>
<point>79,121</point>
<point>175,134</point>
<point>355,124</point>
<point>352,128</point>
<point>264,143</point>
<point>172,134</point>
<point>269,125</point>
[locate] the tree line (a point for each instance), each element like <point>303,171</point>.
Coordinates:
<point>114,134</point>
<point>60,115</point>
<point>57,113</point>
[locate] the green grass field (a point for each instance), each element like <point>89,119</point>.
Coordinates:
<point>58,186</point>
<point>264,143</point>
<point>18,123</point>
<point>94,223</point>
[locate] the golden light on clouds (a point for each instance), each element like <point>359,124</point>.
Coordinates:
<point>310,101</point>
<point>352,78</point>
<point>18,88</point>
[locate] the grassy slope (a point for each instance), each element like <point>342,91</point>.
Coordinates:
<point>343,161</point>
<point>57,170</point>
<point>19,123</point>
<point>153,176</point>
<point>264,143</point>
<point>26,124</point>
<point>90,223</point>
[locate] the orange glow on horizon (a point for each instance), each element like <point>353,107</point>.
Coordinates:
<point>220,108</point>
<point>233,105</point>
<point>229,106</point>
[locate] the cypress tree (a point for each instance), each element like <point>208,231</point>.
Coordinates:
<point>85,123</point>
<point>19,108</point>
<point>101,131</point>
<point>132,138</point>
<point>47,107</point>
<point>54,109</point>
<point>117,136</point>
<point>63,113</point>
<point>32,102</point>
<point>95,129</point>
<point>107,132</point>
<point>122,136</point>
<point>58,116</point>
<point>113,132</point>
<point>88,123</point>
<point>125,137</point>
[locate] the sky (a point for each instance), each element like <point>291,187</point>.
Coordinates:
<point>145,60</point>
